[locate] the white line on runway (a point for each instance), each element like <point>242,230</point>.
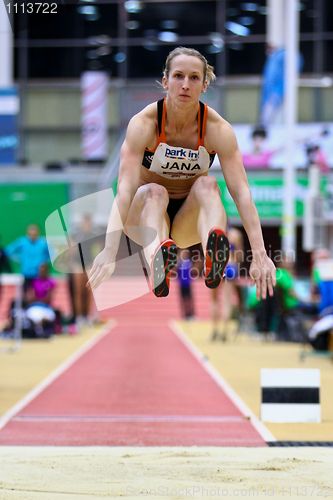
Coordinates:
<point>257,424</point>
<point>132,418</point>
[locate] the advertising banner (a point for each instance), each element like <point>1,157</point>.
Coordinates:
<point>264,148</point>
<point>9,108</point>
<point>94,108</point>
<point>267,192</point>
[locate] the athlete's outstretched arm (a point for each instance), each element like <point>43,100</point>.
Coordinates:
<point>131,154</point>
<point>262,269</point>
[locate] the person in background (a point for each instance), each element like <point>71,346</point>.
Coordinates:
<point>43,286</point>
<point>184,268</point>
<point>229,292</point>
<point>272,313</point>
<point>322,279</point>
<point>39,318</point>
<point>285,281</point>
<point>30,251</point>
<point>259,157</point>
<point>289,304</point>
<point>87,238</point>
<point>41,294</point>
<point>316,156</point>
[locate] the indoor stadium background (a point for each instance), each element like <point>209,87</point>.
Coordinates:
<point>72,74</point>
<point>128,42</point>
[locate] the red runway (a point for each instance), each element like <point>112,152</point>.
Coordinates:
<point>138,385</point>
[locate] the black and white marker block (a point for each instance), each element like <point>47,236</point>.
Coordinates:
<point>290,395</point>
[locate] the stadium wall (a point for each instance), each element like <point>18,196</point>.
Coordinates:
<point>51,121</point>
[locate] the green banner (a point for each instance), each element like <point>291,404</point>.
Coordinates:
<point>268,194</point>
<point>22,204</point>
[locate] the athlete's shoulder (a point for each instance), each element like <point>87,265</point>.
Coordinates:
<point>141,128</point>
<point>144,120</point>
<point>218,130</point>
<point>146,115</point>
<point>215,119</point>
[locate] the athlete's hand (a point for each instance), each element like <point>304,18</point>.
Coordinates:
<point>263,273</point>
<point>103,267</point>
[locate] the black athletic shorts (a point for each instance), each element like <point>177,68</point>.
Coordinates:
<point>173,207</point>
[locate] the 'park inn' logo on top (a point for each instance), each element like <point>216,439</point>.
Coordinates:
<point>181,154</point>
<point>181,160</point>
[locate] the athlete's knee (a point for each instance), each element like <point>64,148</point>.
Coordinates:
<point>205,184</point>
<point>155,191</point>
<point>152,191</point>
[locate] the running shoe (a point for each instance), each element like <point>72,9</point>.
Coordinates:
<point>217,255</point>
<point>164,260</point>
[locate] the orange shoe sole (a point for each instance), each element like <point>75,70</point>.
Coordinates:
<point>164,260</point>
<point>217,256</point>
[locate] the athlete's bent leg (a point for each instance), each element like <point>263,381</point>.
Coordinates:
<point>212,221</point>
<point>147,222</point>
<point>203,218</point>
<point>148,210</point>
<point>212,213</point>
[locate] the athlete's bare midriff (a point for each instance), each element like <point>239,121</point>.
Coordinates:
<point>176,189</point>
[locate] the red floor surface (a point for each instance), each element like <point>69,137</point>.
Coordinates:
<point>139,385</point>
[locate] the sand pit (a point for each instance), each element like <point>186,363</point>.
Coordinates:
<point>28,473</point>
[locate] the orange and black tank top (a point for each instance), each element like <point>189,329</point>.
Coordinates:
<point>176,162</point>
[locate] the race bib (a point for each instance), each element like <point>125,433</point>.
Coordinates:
<point>176,162</point>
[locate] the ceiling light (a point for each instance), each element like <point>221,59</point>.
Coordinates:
<point>133,6</point>
<point>90,11</point>
<point>250,6</point>
<point>211,49</point>
<point>87,10</point>
<point>120,57</point>
<point>167,36</point>
<point>217,41</point>
<point>103,51</point>
<point>237,28</point>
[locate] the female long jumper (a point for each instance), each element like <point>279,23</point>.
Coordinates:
<point>164,184</point>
